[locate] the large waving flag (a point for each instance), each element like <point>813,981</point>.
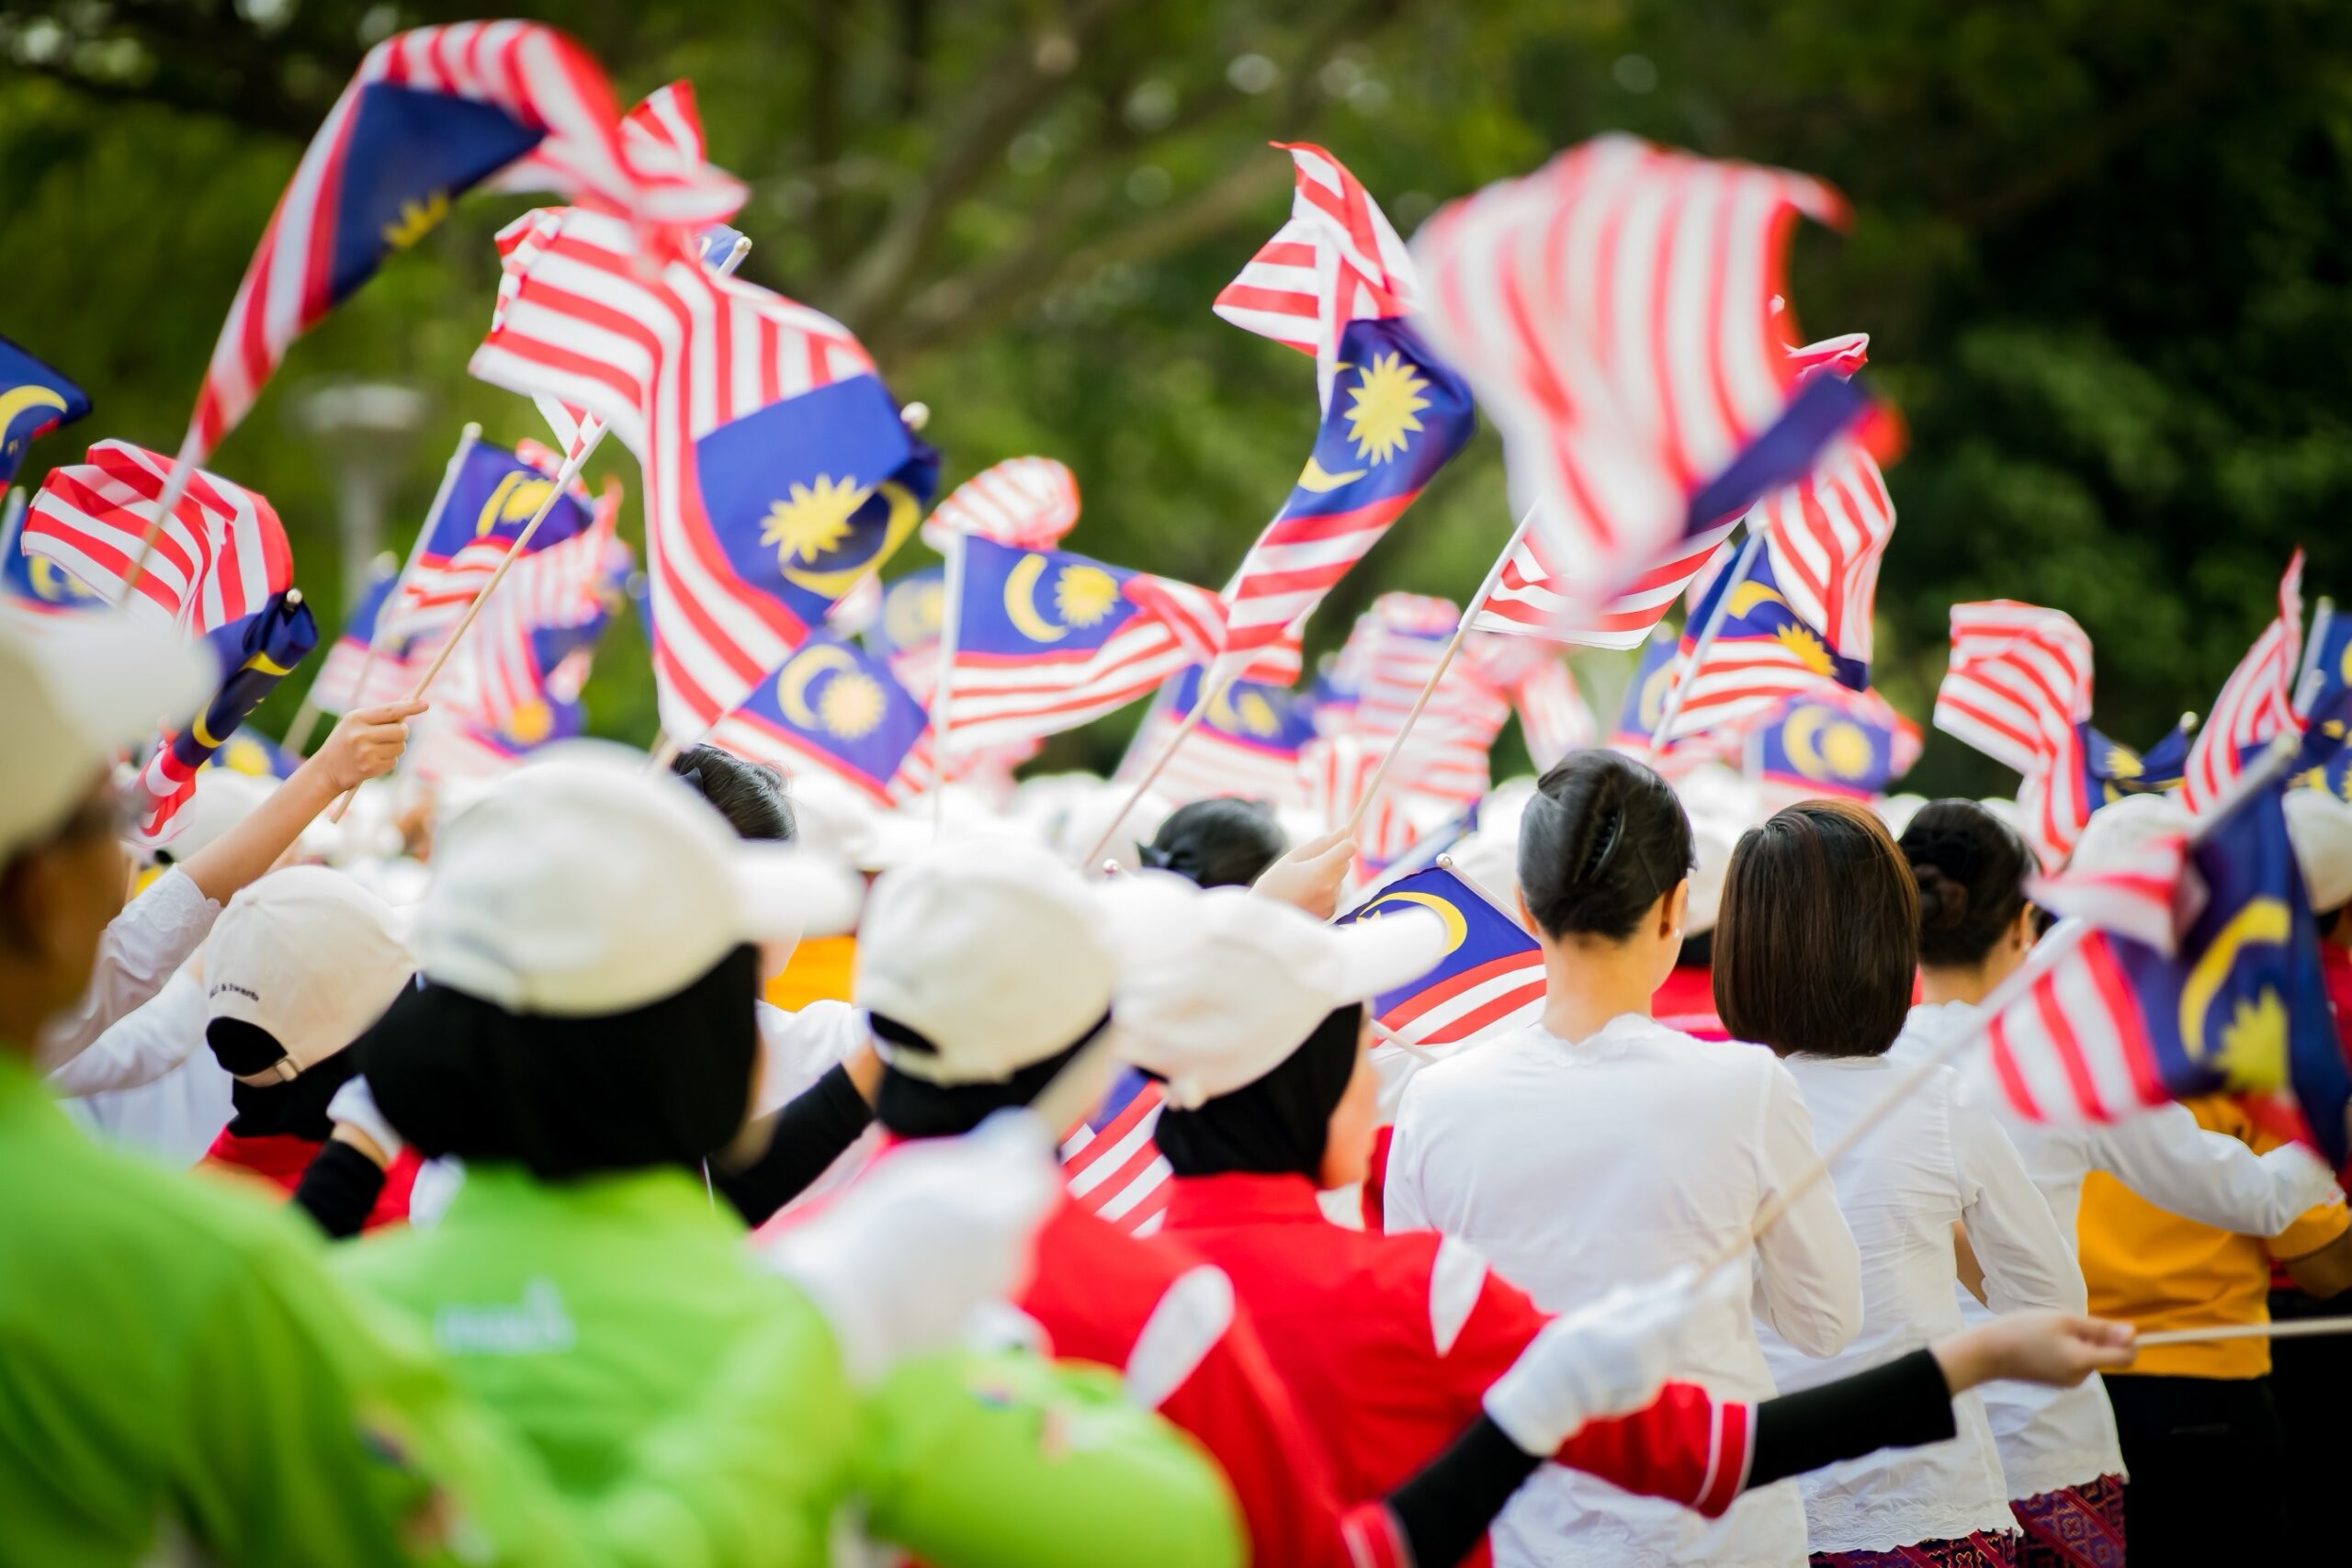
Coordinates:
<point>1619,314</point>
<point>1832,742</point>
<point>1336,282</point>
<point>34,400</point>
<point>2258,702</point>
<point>256,652</point>
<point>2237,1003</point>
<point>777,471</point>
<point>431,113</point>
<point>1046,640</point>
<point>1799,616</point>
<point>1492,975</point>
<point>834,706</point>
<point>489,498</point>
<point>2018,689</point>
<point>1247,744</point>
<point>222,554</point>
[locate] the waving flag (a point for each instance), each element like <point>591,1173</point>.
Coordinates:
<point>1109,1164</point>
<point>388,677</point>
<point>1336,282</point>
<point>2018,689</point>
<point>1046,640</point>
<point>1028,503</point>
<point>490,500</point>
<point>906,630</point>
<point>253,754</point>
<point>2115,770</point>
<point>31,587</point>
<point>550,610</point>
<point>2324,695</point>
<point>1619,314</point>
<point>1832,742</point>
<point>255,653</point>
<point>1392,652</point>
<point>432,113</point>
<point>1554,719</point>
<point>2117,1024</point>
<point>221,557</point>
<point>1247,744</point>
<point>2258,702</point>
<point>1492,975</point>
<point>834,706</point>
<point>777,471</point>
<point>1798,617</point>
<point>34,400</point>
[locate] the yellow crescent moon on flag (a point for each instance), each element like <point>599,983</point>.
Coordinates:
<point>800,672</point>
<point>1457,930</point>
<point>52,582</point>
<point>1798,737</point>
<point>1747,595</point>
<point>904,515</point>
<point>19,400</point>
<point>2264,922</point>
<point>1652,707</point>
<point>1021,601</point>
<point>1321,481</point>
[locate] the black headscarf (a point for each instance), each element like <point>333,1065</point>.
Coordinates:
<point>910,1107</point>
<point>663,1084</point>
<point>1276,1125</point>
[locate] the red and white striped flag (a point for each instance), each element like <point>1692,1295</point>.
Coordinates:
<point>1617,313</point>
<point>1535,598</point>
<point>1111,1165</point>
<point>2076,1046</point>
<point>501,670</point>
<point>1026,503</point>
<point>220,557</point>
<point>405,136</point>
<point>2018,689</point>
<point>2258,702</point>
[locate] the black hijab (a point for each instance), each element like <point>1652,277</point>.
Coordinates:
<point>664,1083</point>
<point>1276,1125</point>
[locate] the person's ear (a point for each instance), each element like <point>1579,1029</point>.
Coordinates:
<point>2021,928</point>
<point>1676,909</point>
<point>1526,915</point>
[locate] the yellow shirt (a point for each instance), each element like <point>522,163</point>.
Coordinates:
<point>821,970</point>
<point>2155,1270</point>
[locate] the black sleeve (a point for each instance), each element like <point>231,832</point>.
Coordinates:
<point>339,1189</point>
<point>810,1133</point>
<point>1899,1405</point>
<point>297,1108</point>
<point>1450,1501</point>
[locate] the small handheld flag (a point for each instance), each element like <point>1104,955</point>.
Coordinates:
<point>491,498</point>
<point>2258,702</point>
<point>255,653</point>
<point>34,400</point>
<point>1492,975</point>
<point>1832,742</point>
<point>833,707</point>
<point>1247,745</point>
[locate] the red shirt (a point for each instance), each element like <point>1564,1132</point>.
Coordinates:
<point>280,1158</point>
<point>1388,1344</point>
<point>1686,1000</point>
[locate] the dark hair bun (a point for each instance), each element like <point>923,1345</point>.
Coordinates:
<point>1970,868</point>
<point>1943,903</point>
<point>1601,839</point>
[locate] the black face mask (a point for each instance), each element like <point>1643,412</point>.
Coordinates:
<point>664,1083</point>
<point>1277,1125</point>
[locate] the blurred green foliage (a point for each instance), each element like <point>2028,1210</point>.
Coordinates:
<point>2101,246</point>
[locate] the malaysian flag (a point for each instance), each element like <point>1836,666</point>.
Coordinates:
<point>1492,975</point>
<point>1392,652</point>
<point>490,497</point>
<point>34,400</point>
<point>254,653</point>
<point>906,631</point>
<point>1028,503</point>
<point>337,686</point>
<point>221,557</point>
<point>2114,1024</point>
<point>2324,695</point>
<point>1109,1164</point>
<point>1337,283</point>
<point>553,606</point>
<point>1619,313</point>
<point>431,113</point>
<point>2115,770</point>
<point>1246,745</point>
<point>1046,640</point>
<point>2018,689</point>
<point>1830,743</point>
<point>253,754</point>
<point>1553,717</point>
<point>2258,702</point>
<point>777,470</point>
<point>835,707</point>
<point>32,589</point>
<point>1792,613</point>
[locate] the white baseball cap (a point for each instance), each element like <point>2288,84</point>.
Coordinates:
<point>995,951</point>
<point>2119,830</point>
<point>582,886</point>
<point>308,956</point>
<point>1219,987</point>
<point>73,692</point>
<point>2320,827</point>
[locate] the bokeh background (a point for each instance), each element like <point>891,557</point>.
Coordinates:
<point>2103,249</point>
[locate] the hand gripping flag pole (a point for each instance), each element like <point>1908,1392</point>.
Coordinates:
<point>1736,572</point>
<point>2046,955</point>
<point>1437,673</point>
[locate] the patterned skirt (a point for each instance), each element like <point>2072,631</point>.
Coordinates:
<point>1981,1549</point>
<point>2076,1526</point>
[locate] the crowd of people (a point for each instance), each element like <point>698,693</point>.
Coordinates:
<point>455,1189</point>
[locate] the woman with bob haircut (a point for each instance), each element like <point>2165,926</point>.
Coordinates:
<point>1814,957</point>
<point>1598,1146</point>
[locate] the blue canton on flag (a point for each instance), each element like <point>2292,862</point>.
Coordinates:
<point>1492,975</point>
<point>1849,745</point>
<point>34,400</point>
<point>1645,694</point>
<point>830,706</point>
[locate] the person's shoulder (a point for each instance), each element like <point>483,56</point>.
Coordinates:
<point>1474,1063</point>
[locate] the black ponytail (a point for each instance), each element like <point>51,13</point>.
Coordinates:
<point>1970,868</point>
<point>1602,838</point>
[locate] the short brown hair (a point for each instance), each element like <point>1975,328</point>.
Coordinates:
<point>1818,940</point>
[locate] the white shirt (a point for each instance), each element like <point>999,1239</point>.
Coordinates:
<point>2051,1439</point>
<point>1933,1161</point>
<point>1576,1166</point>
<point>148,1083</point>
<point>141,948</point>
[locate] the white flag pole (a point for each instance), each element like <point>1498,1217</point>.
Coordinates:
<point>1445,659</point>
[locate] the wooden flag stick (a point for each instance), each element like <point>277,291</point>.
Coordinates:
<point>2311,1328</point>
<point>1444,661</point>
<point>175,485</point>
<point>1744,563</point>
<point>951,627</point>
<point>2045,956</point>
